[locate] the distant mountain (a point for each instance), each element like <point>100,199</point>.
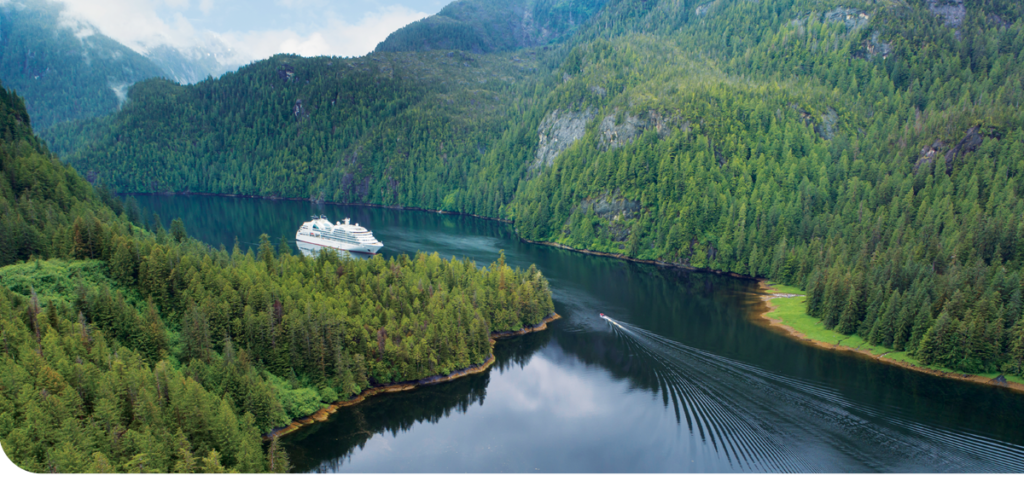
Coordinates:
<point>66,69</point>
<point>192,65</point>
<point>481,26</point>
<point>868,152</point>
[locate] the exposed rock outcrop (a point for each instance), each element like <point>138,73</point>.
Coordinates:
<point>706,8</point>
<point>827,128</point>
<point>614,134</point>
<point>928,155</point>
<point>853,18</point>
<point>951,12</point>
<point>616,131</point>
<point>616,211</point>
<point>875,47</point>
<point>971,141</point>
<point>968,144</point>
<point>558,131</point>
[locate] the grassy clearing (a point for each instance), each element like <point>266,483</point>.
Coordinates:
<point>792,312</point>
<point>783,289</point>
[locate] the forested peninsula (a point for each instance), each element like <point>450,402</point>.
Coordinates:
<point>130,348</point>
<point>869,152</point>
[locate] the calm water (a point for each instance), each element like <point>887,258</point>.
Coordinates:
<point>688,383</point>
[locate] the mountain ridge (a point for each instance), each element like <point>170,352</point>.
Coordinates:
<point>66,69</point>
<point>804,150</point>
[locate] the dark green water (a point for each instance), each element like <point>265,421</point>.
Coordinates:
<point>689,383</point>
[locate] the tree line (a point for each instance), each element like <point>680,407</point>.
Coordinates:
<point>130,350</point>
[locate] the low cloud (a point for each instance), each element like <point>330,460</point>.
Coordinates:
<point>134,23</point>
<point>336,37</point>
<point>137,24</point>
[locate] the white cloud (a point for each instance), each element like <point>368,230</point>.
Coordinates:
<point>337,37</point>
<point>134,23</point>
<point>137,24</point>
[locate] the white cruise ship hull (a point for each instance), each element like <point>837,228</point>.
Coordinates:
<point>333,244</point>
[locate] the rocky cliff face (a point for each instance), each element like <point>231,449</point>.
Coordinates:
<point>616,133</point>
<point>558,131</point>
<point>952,12</point>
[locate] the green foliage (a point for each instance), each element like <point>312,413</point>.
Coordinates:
<point>129,351</point>
<point>399,129</point>
<point>876,162</point>
<point>870,154</point>
<point>481,26</point>
<point>63,76</point>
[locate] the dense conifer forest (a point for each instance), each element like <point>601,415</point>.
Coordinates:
<point>870,152</point>
<point>480,26</point>
<point>130,350</point>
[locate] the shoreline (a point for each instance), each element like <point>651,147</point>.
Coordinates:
<point>655,262</point>
<point>324,413</point>
<point>335,203</point>
<point>772,323</point>
<point>768,294</point>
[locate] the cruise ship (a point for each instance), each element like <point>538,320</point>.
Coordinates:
<point>341,236</point>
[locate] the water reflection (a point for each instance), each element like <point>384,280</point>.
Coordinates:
<point>312,250</point>
<point>328,446</point>
<point>694,386</point>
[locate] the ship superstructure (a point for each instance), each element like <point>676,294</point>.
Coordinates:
<point>342,236</point>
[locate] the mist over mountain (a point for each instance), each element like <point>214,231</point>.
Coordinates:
<point>192,65</point>
<point>66,69</point>
<point>867,151</point>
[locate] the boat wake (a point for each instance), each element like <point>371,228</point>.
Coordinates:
<point>762,421</point>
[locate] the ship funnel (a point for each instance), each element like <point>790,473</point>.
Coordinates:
<point>346,220</point>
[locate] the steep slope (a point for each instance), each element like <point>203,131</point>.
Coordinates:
<point>64,70</point>
<point>209,58</point>
<point>481,26</point>
<point>405,129</point>
<point>872,153</point>
<point>124,350</point>
<point>867,151</point>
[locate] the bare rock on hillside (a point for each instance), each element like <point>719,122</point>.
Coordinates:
<point>558,131</point>
<point>615,210</point>
<point>876,47</point>
<point>968,144</point>
<point>928,155</point>
<point>853,18</point>
<point>827,128</point>
<point>616,133</point>
<point>951,12</point>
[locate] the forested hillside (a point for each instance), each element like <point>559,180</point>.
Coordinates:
<point>872,153</point>
<point>64,73</point>
<point>128,350</point>
<point>480,26</point>
<point>868,151</point>
<point>66,69</point>
<point>395,128</point>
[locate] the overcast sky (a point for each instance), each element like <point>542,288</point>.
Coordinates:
<point>256,29</point>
